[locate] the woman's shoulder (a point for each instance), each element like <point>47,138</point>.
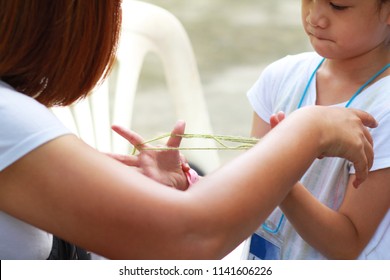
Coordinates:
<point>13,102</point>
<point>19,106</point>
<point>25,124</point>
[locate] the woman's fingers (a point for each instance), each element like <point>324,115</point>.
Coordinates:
<point>361,170</point>
<point>367,119</point>
<point>363,166</point>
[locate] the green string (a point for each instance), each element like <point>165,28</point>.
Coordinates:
<point>245,142</point>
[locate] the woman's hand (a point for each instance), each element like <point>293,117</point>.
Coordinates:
<point>164,166</point>
<point>344,133</point>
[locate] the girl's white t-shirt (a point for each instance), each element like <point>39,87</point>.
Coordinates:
<point>280,88</point>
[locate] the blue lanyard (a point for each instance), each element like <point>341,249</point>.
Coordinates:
<point>275,230</point>
<point>309,83</point>
<point>366,84</point>
<point>278,226</point>
<point>353,96</point>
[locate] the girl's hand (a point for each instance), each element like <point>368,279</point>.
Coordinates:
<point>164,166</point>
<point>276,119</point>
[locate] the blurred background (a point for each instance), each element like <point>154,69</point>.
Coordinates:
<point>233,40</point>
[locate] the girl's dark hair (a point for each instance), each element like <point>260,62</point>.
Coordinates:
<point>57,51</point>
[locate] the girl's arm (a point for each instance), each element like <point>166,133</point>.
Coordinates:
<point>69,189</point>
<point>342,233</point>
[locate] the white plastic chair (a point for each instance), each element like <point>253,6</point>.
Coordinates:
<point>146,29</point>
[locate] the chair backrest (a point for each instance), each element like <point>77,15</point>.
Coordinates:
<point>146,29</point>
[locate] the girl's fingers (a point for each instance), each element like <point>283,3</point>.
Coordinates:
<point>174,141</point>
<point>276,119</point>
<point>134,138</point>
<point>273,121</point>
<point>125,159</point>
<point>281,116</point>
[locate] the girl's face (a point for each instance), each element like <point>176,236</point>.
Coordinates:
<point>342,29</point>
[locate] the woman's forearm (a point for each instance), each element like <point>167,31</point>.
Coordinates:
<point>257,181</point>
<point>250,187</point>
<point>102,205</point>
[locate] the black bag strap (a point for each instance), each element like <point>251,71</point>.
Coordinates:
<point>63,250</point>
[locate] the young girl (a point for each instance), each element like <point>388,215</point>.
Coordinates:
<point>326,216</point>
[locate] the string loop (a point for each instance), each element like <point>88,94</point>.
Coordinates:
<point>244,143</point>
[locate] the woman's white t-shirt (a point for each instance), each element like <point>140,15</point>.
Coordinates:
<point>25,124</point>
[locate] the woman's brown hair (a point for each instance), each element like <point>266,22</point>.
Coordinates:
<point>57,51</point>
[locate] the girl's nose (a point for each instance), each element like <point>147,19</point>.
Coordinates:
<point>316,16</point>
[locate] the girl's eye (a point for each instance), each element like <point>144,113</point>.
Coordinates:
<point>337,7</point>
